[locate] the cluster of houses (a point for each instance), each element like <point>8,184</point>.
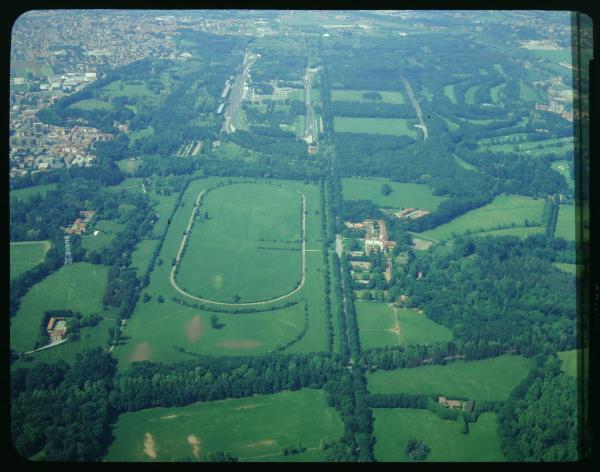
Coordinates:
<point>57,329</point>
<point>376,237</point>
<point>411,213</point>
<point>78,227</point>
<point>456,404</point>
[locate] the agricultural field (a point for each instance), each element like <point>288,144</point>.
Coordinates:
<point>389,126</point>
<point>25,193</point>
<point>78,287</point>
<point>357,96</point>
<point>487,379</point>
<point>503,210</point>
<point>254,428</point>
<point>381,324</point>
<point>155,328</point>
<point>248,226</point>
<point>404,195</point>
<point>394,427</point>
<point>26,255</point>
<point>565,226</point>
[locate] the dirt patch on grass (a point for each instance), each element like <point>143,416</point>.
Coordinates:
<point>217,281</point>
<point>194,329</point>
<point>264,442</point>
<point>195,443</point>
<point>141,352</point>
<point>149,446</point>
<point>252,406</point>
<point>240,344</point>
<point>169,417</point>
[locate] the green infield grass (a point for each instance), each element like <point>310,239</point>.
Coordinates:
<point>503,210</point>
<point>357,96</point>
<point>249,226</point>
<point>393,428</point>
<point>26,255</point>
<point>404,195</point>
<point>487,379</point>
<point>78,287</point>
<point>381,324</point>
<point>254,428</point>
<point>388,126</point>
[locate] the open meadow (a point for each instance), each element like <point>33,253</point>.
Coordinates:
<point>393,427</point>
<point>25,193</point>
<point>381,324</point>
<point>504,210</point>
<point>389,126</point>
<point>78,287</point>
<point>487,379</point>
<point>404,195</point>
<point>565,226</point>
<point>254,428</point>
<point>26,255</point>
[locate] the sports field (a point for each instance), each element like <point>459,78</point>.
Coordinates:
<point>404,195</point>
<point>487,379</point>
<point>254,428</point>
<point>357,96</point>
<point>78,287</point>
<point>393,427</point>
<point>380,324</point>
<point>389,126</point>
<point>25,255</point>
<point>156,328</point>
<point>504,210</point>
<point>249,247</point>
<point>565,226</point>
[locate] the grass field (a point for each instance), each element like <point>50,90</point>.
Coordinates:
<point>255,428</point>
<point>389,126</point>
<point>242,218</point>
<point>404,195</point>
<point>357,96</point>
<point>91,104</point>
<point>155,328</point>
<point>569,362</point>
<point>449,92</point>
<point>394,427</point>
<point>25,193</point>
<point>527,92</point>
<point>140,257</point>
<point>470,94</point>
<point>118,88</point>
<point>505,209</point>
<point>130,184</point>
<point>380,324</point>
<point>315,95</point>
<point>141,134</point>
<point>495,93</point>
<point>25,255</point>
<point>129,165</point>
<point>464,164</point>
<point>565,226</point>
<point>78,287</point>
<point>96,243</point>
<point>487,379</point>
<point>520,231</point>
<point>563,168</point>
<point>568,268</point>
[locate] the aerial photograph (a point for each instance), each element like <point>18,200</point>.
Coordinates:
<point>298,236</point>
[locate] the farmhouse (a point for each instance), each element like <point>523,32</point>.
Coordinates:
<point>456,404</point>
<point>57,328</point>
<point>78,227</point>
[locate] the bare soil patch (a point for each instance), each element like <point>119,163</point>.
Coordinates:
<point>194,329</point>
<point>195,443</point>
<point>240,344</point>
<point>264,442</point>
<point>149,446</point>
<point>141,352</point>
<point>252,406</point>
<point>169,417</point>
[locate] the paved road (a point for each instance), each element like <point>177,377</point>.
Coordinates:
<point>182,245</point>
<point>416,106</point>
<point>232,110</point>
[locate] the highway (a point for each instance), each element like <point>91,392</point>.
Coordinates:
<point>232,110</point>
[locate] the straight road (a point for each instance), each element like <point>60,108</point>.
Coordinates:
<point>416,106</point>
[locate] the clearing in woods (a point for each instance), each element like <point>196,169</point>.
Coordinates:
<point>26,255</point>
<point>259,432</point>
